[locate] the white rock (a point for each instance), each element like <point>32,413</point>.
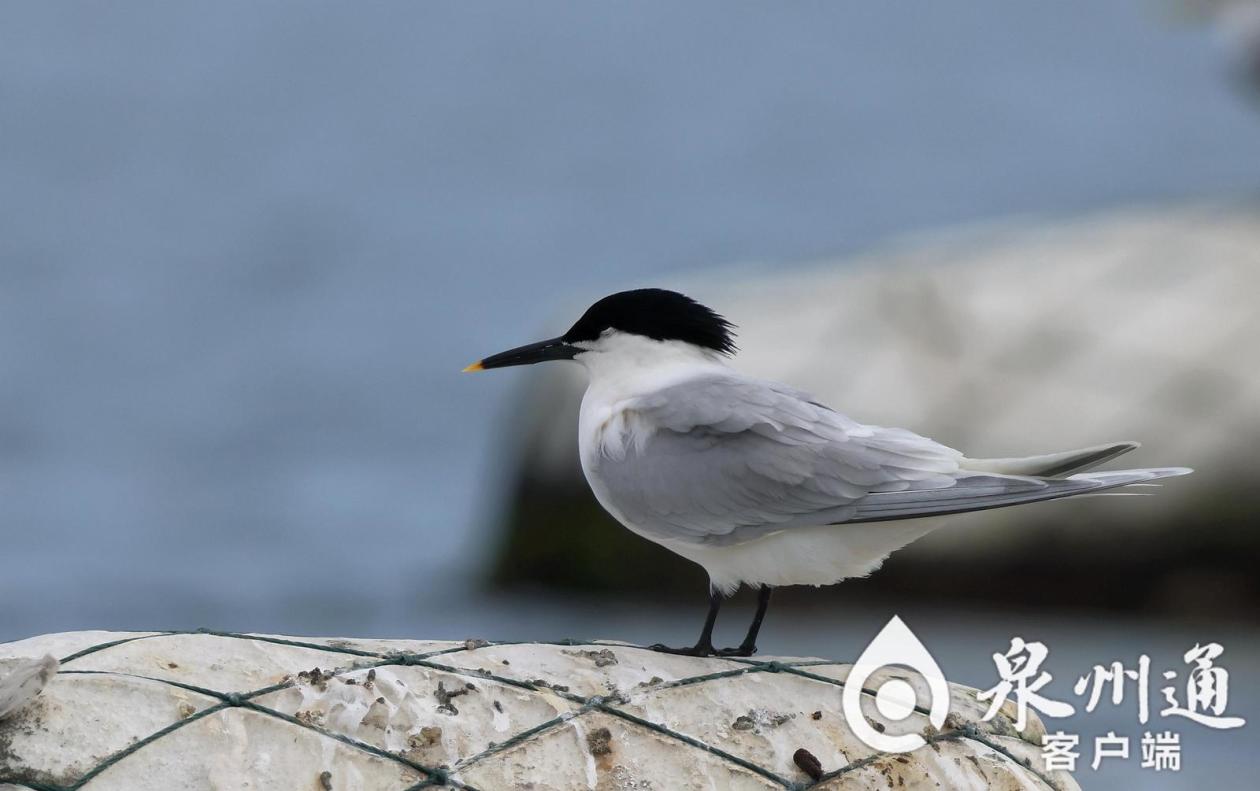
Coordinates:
<point>198,711</point>
<point>21,680</point>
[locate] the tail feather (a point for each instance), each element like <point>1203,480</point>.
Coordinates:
<point>1052,465</point>
<point>978,492</point>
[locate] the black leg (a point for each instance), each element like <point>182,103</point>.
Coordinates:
<point>749,646</point>
<point>703,646</point>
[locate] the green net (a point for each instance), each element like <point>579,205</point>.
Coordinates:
<point>358,660</point>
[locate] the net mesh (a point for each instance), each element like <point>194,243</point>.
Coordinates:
<point>439,776</point>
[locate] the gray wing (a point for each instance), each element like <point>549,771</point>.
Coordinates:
<point>980,492</point>
<point>723,459</point>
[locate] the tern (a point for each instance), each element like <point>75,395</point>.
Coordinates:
<point>758,482</point>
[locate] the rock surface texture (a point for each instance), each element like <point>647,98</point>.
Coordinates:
<point>135,711</point>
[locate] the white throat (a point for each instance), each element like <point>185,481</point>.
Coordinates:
<point>623,363</point>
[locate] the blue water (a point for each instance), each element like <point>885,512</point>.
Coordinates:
<point>245,248</point>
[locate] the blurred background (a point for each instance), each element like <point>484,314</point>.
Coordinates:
<point>245,250</point>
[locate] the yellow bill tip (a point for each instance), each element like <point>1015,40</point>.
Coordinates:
<point>474,367</point>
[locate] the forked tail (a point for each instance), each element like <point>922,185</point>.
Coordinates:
<point>1052,465</point>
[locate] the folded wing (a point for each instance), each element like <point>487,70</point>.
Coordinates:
<point>723,459</point>
<point>981,492</point>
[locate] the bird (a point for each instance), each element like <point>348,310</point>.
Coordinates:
<point>760,483</point>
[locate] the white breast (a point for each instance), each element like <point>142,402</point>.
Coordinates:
<point>621,367</point>
<point>605,433</point>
